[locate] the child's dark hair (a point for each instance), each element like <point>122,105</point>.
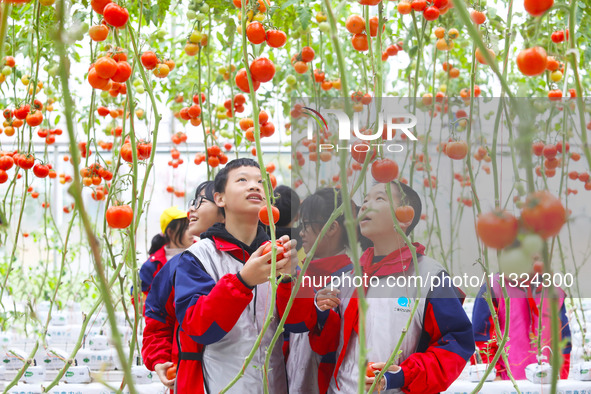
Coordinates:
<point>206,188</point>
<point>221,179</point>
<point>288,203</point>
<point>174,232</point>
<point>408,196</point>
<point>318,207</point>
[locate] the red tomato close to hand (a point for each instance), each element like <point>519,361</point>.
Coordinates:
<point>171,372</point>
<point>264,217</point>
<point>268,248</point>
<point>119,216</point>
<point>497,229</point>
<point>369,371</point>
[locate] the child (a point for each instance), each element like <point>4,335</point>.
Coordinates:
<point>522,346</point>
<point>159,350</point>
<point>222,293</point>
<point>173,240</point>
<point>307,372</point>
<point>439,340</point>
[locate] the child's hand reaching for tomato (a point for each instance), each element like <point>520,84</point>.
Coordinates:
<point>166,377</point>
<point>376,368</point>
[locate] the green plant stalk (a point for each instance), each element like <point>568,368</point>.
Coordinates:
<point>578,84</point>
<point>78,345</point>
<point>6,8</point>
<point>266,188</point>
<point>76,189</point>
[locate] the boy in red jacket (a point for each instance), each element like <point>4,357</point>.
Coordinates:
<point>439,340</point>
<point>222,293</point>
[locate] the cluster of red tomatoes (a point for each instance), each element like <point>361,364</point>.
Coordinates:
<point>176,158</point>
<point>542,214</point>
<point>215,156</point>
<point>26,162</point>
<point>430,12</point>
<point>325,84</point>
<point>193,112</point>
<point>115,112</point>
<point>114,14</point>
<point>237,102</point>
<point>95,174</point>
<point>109,73</point>
<point>13,119</point>
<point>160,68</point>
<point>355,24</point>
<point>143,150</point>
<point>301,60</point>
<point>49,134</point>
<point>267,128</point>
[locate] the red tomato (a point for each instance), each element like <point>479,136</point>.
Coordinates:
<point>538,148</point>
<point>99,5</point>
<point>537,7</point>
<point>40,170</point>
<point>22,111</point>
<point>171,372</point>
<point>276,38</point>
<point>119,216</point>
<point>262,69</point>
<point>497,229</point>
<point>264,217</point>
<point>355,24</point>
<point>431,13</point>
<point>98,33</point>
<point>35,118</point>
<point>478,17</point>
<point>105,67</point>
<point>26,162</point>
<point>532,61</point>
<point>6,163</point>
<point>123,72</point>
<point>115,15</point>
<point>268,248</point>
<point>242,81</point>
<point>255,32</point>
<point>3,176</point>
<point>370,372</point>
<point>126,153</point>
<point>149,60</point>
<point>456,150</point>
<point>384,170</point>
<point>405,213</point>
<point>307,54</point>
<point>144,150</point>
<point>543,213</point>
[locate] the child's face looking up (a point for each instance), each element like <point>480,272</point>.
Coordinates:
<point>244,191</point>
<point>376,214</point>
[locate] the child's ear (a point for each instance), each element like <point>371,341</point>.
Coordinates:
<point>332,230</point>
<point>218,198</point>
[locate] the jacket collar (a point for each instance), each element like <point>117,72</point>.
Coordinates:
<point>396,262</point>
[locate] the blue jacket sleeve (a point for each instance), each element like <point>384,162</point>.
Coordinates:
<point>207,310</point>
